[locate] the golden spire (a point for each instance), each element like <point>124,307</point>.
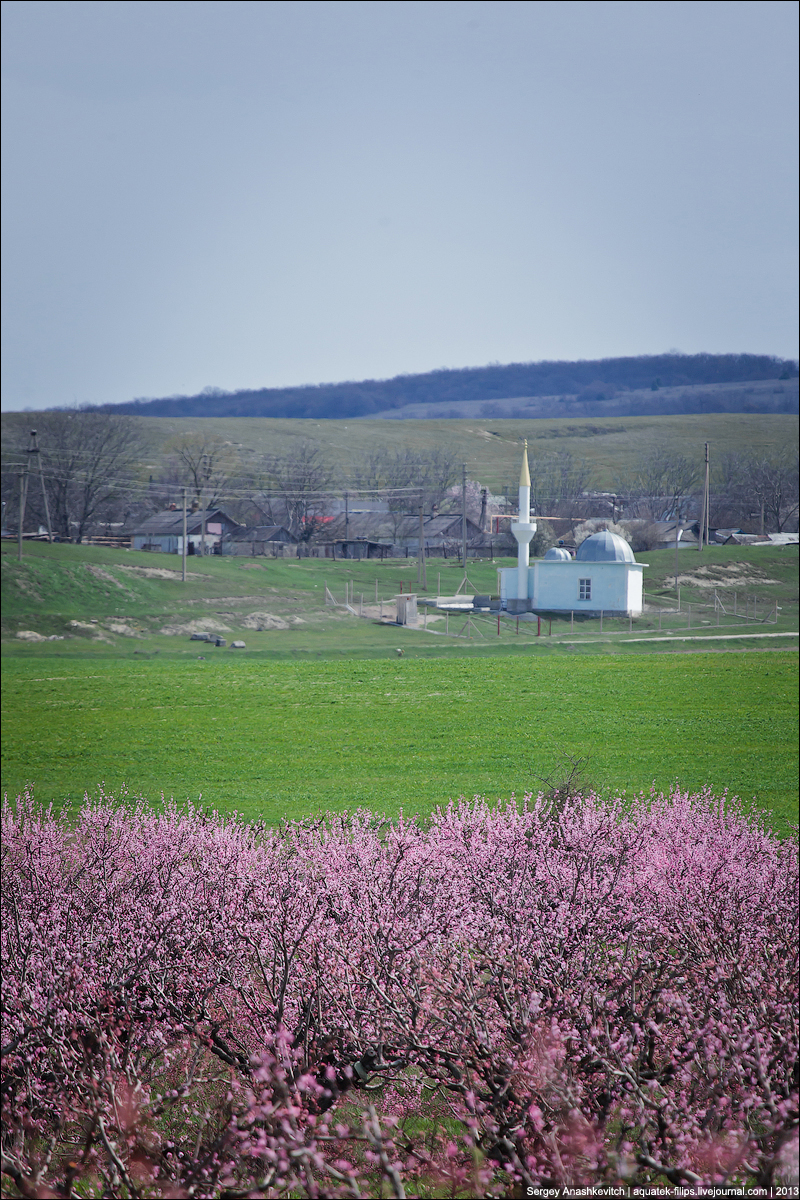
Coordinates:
<point>525,475</point>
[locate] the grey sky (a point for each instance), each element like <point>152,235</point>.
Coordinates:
<point>257,194</point>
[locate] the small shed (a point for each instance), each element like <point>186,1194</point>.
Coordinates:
<point>406,609</point>
<point>259,540</point>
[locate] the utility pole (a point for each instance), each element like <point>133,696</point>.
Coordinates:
<point>677,539</point>
<point>421,578</point>
<point>34,449</point>
<point>202,525</point>
<point>183,542</point>
<point>346,521</point>
<point>464,516</point>
<point>704,508</point>
<point>23,487</point>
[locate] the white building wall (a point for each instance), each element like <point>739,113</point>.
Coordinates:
<point>554,586</point>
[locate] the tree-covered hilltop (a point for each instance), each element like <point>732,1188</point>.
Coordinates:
<point>593,382</point>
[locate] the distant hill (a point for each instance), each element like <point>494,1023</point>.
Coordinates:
<point>644,385</point>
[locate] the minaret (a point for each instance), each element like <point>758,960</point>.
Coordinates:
<point>523,530</point>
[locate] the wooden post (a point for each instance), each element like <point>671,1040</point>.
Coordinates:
<point>601,620</point>
<point>630,622</point>
<point>498,624</point>
<point>447,623</point>
<point>550,628</point>
<point>464,517</point>
<point>517,624</point>
<point>688,616</point>
<point>538,625</point>
<point>22,489</point>
<point>203,526</point>
<point>572,622</point>
<point>659,620</point>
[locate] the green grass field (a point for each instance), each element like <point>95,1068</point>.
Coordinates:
<point>322,713</point>
<point>274,738</point>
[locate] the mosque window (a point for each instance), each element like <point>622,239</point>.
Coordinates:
<point>584,589</point>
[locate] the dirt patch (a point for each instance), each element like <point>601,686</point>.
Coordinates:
<point>162,573</point>
<point>83,628</point>
<point>727,575</point>
<point>123,629</point>
<point>201,625</point>
<point>262,621</point>
<point>225,600</point>
<point>106,576</point>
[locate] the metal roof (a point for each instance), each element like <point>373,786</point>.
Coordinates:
<point>170,522</point>
<point>605,547</point>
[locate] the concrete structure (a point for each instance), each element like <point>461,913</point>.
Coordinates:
<point>407,613</point>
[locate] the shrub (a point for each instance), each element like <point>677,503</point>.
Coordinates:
<point>520,994</point>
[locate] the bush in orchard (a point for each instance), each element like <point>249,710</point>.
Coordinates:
<point>537,994</point>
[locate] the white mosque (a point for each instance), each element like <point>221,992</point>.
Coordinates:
<point>603,576</point>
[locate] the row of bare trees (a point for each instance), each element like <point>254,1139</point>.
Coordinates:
<point>96,470</point>
<point>748,490</point>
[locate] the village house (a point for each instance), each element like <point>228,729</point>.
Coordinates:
<point>163,531</point>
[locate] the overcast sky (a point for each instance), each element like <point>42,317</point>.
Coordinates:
<point>247,194</point>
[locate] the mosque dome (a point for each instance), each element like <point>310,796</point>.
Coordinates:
<point>558,554</point>
<point>605,547</point>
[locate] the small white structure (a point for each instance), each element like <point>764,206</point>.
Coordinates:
<point>603,577</point>
<point>523,530</point>
<point>406,609</point>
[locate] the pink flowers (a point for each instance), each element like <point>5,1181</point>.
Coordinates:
<point>604,994</point>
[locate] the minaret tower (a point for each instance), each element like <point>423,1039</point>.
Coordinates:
<point>523,530</point>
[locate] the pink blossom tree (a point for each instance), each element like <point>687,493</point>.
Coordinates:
<point>566,994</point>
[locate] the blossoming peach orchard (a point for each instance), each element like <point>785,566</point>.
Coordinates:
<point>554,993</point>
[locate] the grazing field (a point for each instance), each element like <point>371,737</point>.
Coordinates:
<point>275,739</point>
<point>489,446</point>
<point>611,446</point>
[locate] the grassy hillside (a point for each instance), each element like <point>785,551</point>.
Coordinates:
<point>614,446</point>
<point>490,448</point>
<point>319,711</point>
<point>135,597</point>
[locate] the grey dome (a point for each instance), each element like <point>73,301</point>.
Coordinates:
<point>558,554</point>
<point>605,547</point>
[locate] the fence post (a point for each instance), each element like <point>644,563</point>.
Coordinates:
<point>601,620</point>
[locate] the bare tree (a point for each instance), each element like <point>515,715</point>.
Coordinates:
<point>294,488</point>
<point>664,484</point>
<point>205,464</point>
<point>413,476</point>
<point>745,482</point>
<point>88,461</point>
